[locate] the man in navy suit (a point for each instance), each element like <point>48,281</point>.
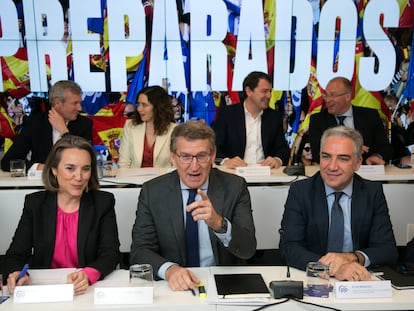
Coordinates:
<point>366,235</point>
<point>41,131</point>
<point>251,132</point>
<point>340,111</point>
<point>221,210</point>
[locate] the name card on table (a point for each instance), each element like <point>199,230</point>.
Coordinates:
<point>255,170</point>
<point>371,170</point>
<point>124,295</point>
<point>43,293</point>
<point>363,289</point>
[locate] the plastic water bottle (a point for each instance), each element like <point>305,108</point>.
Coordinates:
<point>99,160</point>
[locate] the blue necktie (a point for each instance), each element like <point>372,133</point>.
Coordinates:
<point>191,234</point>
<point>336,229</point>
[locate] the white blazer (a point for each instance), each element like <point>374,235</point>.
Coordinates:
<point>132,146</point>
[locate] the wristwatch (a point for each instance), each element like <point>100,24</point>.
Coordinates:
<point>223,228</point>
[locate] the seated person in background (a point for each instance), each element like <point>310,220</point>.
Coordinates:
<point>401,154</point>
<point>146,137</point>
<point>304,151</point>
<point>251,132</point>
<point>215,229</point>
<point>313,213</point>
<point>340,111</point>
<point>69,225</point>
<point>42,130</point>
<point>129,110</point>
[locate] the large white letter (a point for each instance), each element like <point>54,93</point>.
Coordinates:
<point>85,44</point>
<point>44,32</point>
<point>9,41</point>
<point>380,45</point>
<point>346,11</point>
<point>302,10</point>
<point>119,46</point>
<point>166,34</point>
<point>250,43</point>
<point>208,42</point>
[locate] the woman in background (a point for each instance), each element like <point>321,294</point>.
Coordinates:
<point>69,225</point>
<point>146,136</point>
<point>304,151</point>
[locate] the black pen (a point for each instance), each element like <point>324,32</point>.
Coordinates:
<point>192,291</point>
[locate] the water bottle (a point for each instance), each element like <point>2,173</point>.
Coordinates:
<point>99,160</point>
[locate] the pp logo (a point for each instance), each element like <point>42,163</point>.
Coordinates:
<point>343,289</point>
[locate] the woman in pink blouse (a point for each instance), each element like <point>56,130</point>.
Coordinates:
<point>69,225</point>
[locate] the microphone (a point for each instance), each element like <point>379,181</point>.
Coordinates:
<point>294,167</point>
<point>286,288</point>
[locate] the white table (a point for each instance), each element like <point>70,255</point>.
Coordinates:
<point>165,299</point>
<point>268,195</point>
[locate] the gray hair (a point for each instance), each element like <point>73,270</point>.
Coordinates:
<point>347,132</point>
<point>193,130</point>
<point>58,90</point>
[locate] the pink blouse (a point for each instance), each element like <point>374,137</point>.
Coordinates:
<point>66,249</point>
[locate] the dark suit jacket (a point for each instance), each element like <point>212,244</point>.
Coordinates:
<point>366,121</point>
<point>306,224</point>
<point>230,128</point>
<point>158,234</point>
<point>36,136</point>
<point>98,243</point>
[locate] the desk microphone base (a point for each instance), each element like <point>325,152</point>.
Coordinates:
<point>286,289</point>
<point>294,170</point>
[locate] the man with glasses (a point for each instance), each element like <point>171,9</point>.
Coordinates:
<point>173,229</point>
<point>340,111</point>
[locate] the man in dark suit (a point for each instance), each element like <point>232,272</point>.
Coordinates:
<point>339,109</point>
<point>311,216</point>
<point>221,212</point>
<point>41,131</point>
<point>251,132</point>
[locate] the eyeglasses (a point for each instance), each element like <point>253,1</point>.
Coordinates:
<point>188,158</point>
<point>332,95</point>
<point>307,149</point>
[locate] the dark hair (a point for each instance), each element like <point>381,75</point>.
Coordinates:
<point>58,90</point>
<point>346,132</point>
<point>68,142</point>
<point>252,80</point>
<point>163,113</point>
<point>193,130</point>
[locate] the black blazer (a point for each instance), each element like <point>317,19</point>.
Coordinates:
<point>366,121</point>
<point>230,128</point>
<point>158,234</point>
<point>36,136</point>
<point>34,239</point>
<point>306,222</point>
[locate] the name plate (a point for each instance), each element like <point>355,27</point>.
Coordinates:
<point>43,293</point>
<point>124,295</point>
<point>363,289</point>
<point>371,170</point>
<point>253,170</point>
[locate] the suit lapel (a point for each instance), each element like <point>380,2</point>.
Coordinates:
<point>359,197</point>
<point>86,214</point>
<point>240,128</point>
<point>139,139</point>
<point>321,212</point>
<point>50,218</point>
<point>176,213</point>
